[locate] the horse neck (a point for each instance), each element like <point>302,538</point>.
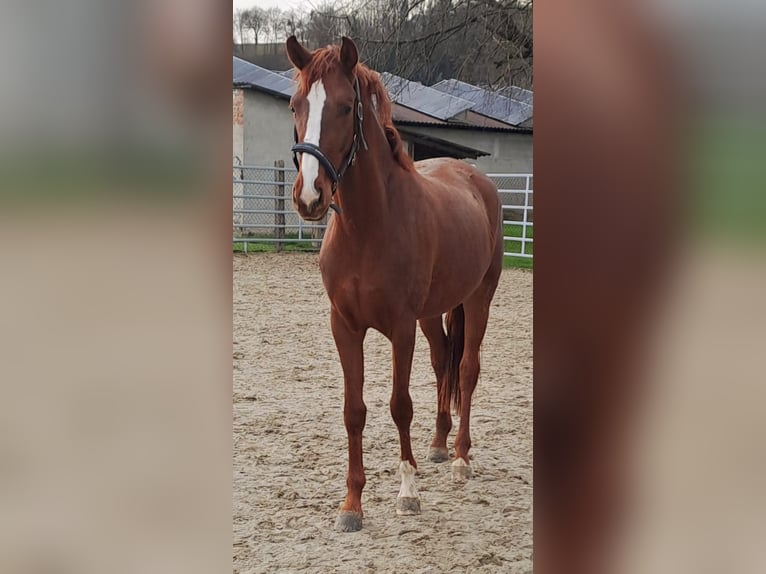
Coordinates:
<point>362,193</point>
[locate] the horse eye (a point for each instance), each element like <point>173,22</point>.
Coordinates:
<point>345,110</point>
<point>292,109</point>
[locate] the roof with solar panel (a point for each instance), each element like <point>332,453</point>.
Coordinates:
<point>491,104</point>
<point>252,76</point>
<point>424,99</point>
<point>450,102</point>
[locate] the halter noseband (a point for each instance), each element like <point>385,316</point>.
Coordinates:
<point>314,150</point>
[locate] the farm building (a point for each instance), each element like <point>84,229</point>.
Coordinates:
<point>472,117</point>
<point>450,119</point>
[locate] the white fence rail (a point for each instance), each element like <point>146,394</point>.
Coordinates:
<point>263,211</point>
<point>516,194</point>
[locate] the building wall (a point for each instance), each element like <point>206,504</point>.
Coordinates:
<point>268,129</point>
<point>237,127</point>
<point>267,135</point>
<point>509,152</point>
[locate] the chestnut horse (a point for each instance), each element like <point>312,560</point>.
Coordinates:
<point>411,242</point>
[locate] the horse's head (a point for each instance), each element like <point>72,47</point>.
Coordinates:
<point>327,115</point>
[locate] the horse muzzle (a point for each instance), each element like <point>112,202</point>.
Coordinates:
<point>314,210</point>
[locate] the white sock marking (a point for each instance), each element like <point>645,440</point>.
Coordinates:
<point>309,164</point>
<point>408,489</point>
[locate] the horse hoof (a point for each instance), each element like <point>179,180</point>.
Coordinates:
<point>407,506</point>
<point>461,471</point>
<point>348,522</point>
<point>438,454</point>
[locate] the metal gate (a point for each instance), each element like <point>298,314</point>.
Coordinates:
<point>263,213</point>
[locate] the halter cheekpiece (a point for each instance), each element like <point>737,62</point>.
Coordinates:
<point>311,149</point>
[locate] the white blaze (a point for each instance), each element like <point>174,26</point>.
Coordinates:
<point>309,164</point>
<point>408,489</point>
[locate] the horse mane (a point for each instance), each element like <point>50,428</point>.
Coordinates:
<point>324,60</point>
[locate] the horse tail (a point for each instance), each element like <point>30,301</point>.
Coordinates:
<point>455,321</point>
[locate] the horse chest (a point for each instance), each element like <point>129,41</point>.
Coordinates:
<point>369,298</point>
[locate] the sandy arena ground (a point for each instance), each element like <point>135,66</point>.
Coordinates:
<point>290,443</point>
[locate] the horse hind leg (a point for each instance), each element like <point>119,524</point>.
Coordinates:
<point>476,309</point>
<point>433,330</point>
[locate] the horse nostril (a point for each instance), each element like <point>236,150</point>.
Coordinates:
<point>319,189</point>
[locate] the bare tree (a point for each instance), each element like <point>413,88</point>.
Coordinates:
<point>238,28</point>
<point>325,25</point>
<point>294,22</point>
<point>480,41</point>
<point>487,42</point>
<point>254,20</point>
<point>273,23</point>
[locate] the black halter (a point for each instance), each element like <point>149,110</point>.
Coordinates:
<point>314,150</point>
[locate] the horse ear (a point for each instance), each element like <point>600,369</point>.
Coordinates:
<point>349,55</point>
<point>299,56</point>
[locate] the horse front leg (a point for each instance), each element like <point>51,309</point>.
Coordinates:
<point>403,342</point>
<point>350,348</point>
